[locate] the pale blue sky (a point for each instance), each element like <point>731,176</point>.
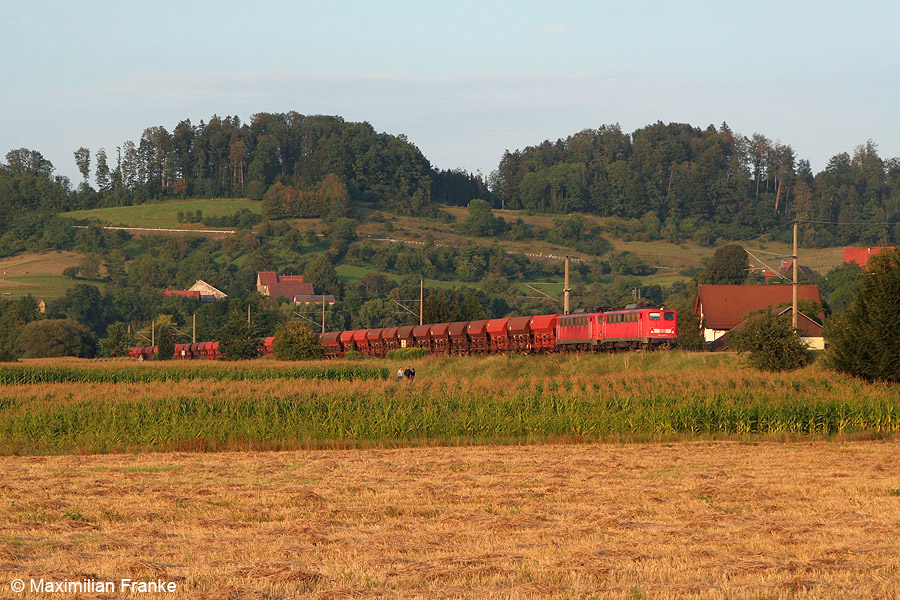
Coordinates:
<point>463,80</point>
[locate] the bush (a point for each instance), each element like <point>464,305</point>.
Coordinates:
<point>236,340</point>
<point>296,341</point>
<point>407,353</point>
<point>772,344</point>
<point>165,342</point>
<point>354,355</point>
<point>58,337</point>
<point>117,340</point>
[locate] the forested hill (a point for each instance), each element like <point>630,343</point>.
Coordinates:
<point>671,182</point>
<point>683,181</point>
<point>225,157</point>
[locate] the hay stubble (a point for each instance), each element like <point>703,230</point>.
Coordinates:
<point>688,520</point>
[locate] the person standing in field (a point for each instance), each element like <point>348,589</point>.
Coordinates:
<point>400,373</point>
<point>410,373</point>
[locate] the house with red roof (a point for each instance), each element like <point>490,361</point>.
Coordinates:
<point>722,308</point>
<point>269,283</point>
<point>861,256</point>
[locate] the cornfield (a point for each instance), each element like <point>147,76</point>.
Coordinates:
<point>14,375</point>
<point>124,409</point>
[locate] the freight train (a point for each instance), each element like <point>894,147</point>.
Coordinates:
<point>630,328</point>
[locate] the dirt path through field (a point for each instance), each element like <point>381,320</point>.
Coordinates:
<point>699,520</point>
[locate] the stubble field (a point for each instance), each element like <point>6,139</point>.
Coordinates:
<point>689,520</point>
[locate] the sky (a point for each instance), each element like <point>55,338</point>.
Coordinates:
<point>464,81</point>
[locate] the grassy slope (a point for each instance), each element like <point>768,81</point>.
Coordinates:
<point>670,258</point>
<point>163,214</point>
<point>40,274</point>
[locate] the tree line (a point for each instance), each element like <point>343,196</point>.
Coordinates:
<point>676,181</point>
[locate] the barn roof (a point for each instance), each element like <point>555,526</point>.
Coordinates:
<point>725,306</point>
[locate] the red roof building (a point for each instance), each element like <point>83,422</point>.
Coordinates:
<point>269,283</point>
<point>723,307</point>
<point>861,255</point>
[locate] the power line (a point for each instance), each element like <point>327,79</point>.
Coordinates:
<point>855,223</point>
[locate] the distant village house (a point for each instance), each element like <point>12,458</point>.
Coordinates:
<point>269,283</point>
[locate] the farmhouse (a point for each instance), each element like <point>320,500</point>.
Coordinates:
<point>269,283</point>
<point>723,307</point>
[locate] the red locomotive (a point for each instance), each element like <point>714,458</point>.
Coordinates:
<point>631,328</point>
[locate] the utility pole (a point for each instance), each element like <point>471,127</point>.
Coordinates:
<point>323,313</point>
<point>248,314</point>
<point>153,332</point>
<point>794,294</point>
<point>566,289</point>
<point>194,329</point>
<point>421,300</point>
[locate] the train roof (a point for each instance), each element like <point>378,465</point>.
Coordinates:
<point>543,323</point>
<point>458,328</point>
<point>519,325</point>
<point>497,326</point>
<point>440,330</point>
<point>477,328</point>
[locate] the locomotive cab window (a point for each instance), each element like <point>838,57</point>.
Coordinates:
<point>654,316</point>
<point>669,316</point>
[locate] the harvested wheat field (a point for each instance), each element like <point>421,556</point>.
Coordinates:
<point>687,520</point>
